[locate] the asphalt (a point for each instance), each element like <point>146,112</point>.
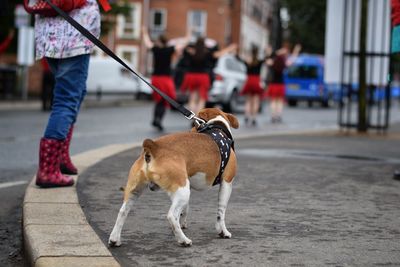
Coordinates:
<point>301,199</point>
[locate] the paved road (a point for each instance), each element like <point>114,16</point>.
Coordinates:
<point>298,200</point>
<point>99,126</point>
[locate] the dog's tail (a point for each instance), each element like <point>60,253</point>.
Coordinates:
<point>149,147</point>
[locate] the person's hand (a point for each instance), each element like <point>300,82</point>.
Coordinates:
<point>144,30</point>
<point>297,49</point>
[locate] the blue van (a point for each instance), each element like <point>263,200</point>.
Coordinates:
<point>304,81</point>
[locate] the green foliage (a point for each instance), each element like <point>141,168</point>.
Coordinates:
<point>108,19</point>
<point>307,24</point>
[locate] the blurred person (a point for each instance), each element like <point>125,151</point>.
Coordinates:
<point>252,88</point>
<point>47,85</point>
<point>279,61</point>
<point>197,79</point>
<point>161,77</point>
<point>7,41</point>
<point>67,52</point>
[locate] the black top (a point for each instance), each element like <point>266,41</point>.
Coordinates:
<point>277,69</point>
<point>162,60</point>
<point>200,65</point>
<point>254,68</point>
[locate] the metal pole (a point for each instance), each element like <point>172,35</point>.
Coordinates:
<point>362,100</point>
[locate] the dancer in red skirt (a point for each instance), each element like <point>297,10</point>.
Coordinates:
<point>276,89</point>
<point>252,88</point>
<point>197,78</point>
<point>161,77</point>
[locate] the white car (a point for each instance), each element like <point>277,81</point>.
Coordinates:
<point>106,76</point>
<point>229,78</point>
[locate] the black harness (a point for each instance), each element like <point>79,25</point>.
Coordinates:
<point>224,140</point>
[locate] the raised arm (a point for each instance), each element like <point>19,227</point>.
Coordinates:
<point>146,38</point>
<point>180,46</point>
<point>294,55</point>
<point>228,49</point>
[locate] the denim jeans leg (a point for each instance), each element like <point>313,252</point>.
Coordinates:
<point>70,87</point>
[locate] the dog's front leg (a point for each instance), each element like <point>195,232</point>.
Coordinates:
<point>115,237</point>
<point>180,199</point>
<point>224,194</point>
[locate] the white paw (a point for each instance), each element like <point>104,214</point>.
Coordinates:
<point>225,234</point>
<point>185,242</point>
<point>114,242</point>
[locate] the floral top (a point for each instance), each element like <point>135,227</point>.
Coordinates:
<point>56,38</point>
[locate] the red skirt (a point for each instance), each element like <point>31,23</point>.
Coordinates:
<point>276,90</point>
<point>165,84</point>
<point>199,82</point>
<point>252,86</point>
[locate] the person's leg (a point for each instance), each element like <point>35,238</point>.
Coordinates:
<point>159,112</point>
<point>255,99</point>
<point>69,91</point>
<point>70,81</point>
<point>272,106</point>
<point>247,109</point>
<point>192,102</point>
<point>66,166</point>
<point>279,109</point>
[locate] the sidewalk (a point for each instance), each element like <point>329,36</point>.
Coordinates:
<point>90,102</point>
<point>57,233</point>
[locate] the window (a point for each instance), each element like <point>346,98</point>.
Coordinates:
<point>305,72</point>
<point>158,22</point>
<point>197,21</point>
<point>128,27</point>
<point>130,54</point>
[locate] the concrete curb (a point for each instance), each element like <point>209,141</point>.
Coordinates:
<point>55,230</point>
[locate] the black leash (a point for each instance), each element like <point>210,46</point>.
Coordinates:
<point>187,113</point>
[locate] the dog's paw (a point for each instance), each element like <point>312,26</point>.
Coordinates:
<point>185,243</point>
<point>112,243</point>
<point>226,234</point>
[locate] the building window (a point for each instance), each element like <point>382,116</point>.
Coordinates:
<point>197,21</point>
<point>130,54</point>
<point>128,27</point>
<point>158,22</point>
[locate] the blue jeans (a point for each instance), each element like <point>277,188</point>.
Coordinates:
<point>70,76</point>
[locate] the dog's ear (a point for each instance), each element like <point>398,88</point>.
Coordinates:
<point>233,121</point>
<point>203,115</point>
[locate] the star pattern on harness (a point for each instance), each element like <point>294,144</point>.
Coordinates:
<point>224,142</point>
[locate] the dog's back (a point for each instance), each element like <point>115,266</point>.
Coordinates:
<point>178,156</point>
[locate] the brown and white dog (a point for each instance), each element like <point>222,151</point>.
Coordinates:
<point>176,163</point>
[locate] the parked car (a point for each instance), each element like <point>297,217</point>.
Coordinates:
<point>229,78</point>
<point>304,81</point>
<point>106,76</point>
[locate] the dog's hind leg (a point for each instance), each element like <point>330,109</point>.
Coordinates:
<point>224,194</point>
<point>184,215</point>
<point>180,199</point>
<point>133,190</point>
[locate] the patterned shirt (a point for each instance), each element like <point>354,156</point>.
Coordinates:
<point>56,38</point>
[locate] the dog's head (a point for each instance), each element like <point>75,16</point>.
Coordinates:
<point>215,114</point>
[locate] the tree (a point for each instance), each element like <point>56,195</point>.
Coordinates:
<point>307,24</point>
